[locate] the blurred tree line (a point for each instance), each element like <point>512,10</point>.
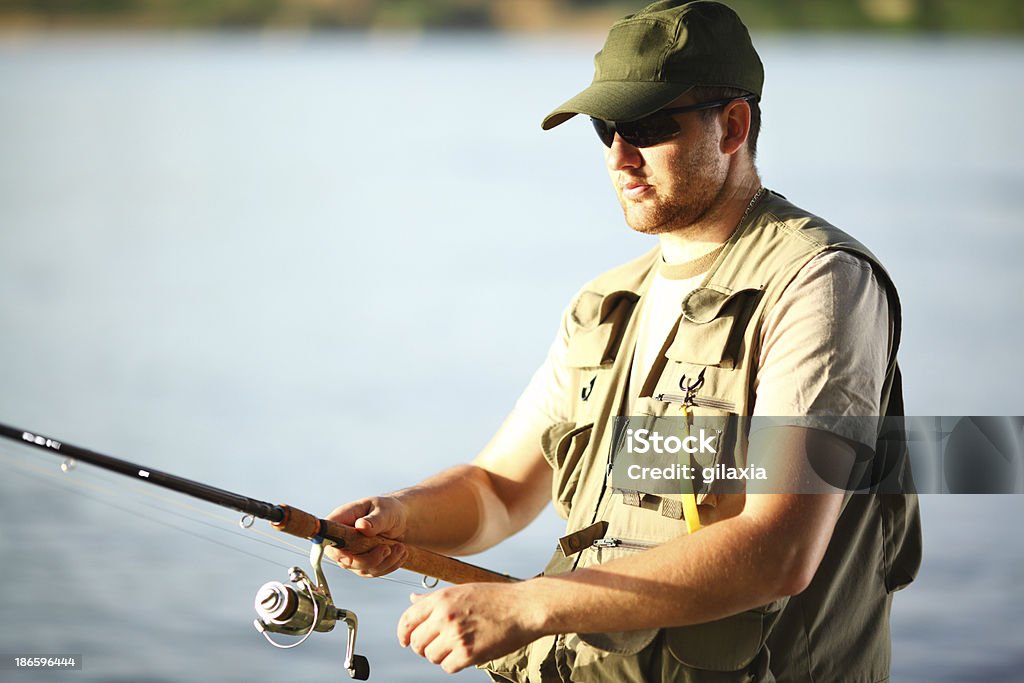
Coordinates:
<point>945,16</point>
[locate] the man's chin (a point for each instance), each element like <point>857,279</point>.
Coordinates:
<point>650,229</point>
<point>658,222</point>
<point>647,225</point>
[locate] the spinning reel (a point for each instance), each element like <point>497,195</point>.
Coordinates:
<point>304,605</point>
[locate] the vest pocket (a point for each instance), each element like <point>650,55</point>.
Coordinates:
<point>711,331</point>
<point>590,348</point>
<point>728,644</point>
<point>564,444</point>
<point>702,364</point>
<point>901,539</point>
<point>598,322</point>
<point>511,667</point>
<point>723,646</point>
<point>728,432</point>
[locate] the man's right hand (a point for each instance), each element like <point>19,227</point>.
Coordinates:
<point>384,516</point>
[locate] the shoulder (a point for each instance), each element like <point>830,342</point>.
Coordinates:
<point>846,270</point>
<point>812,250</point>
<point>798,225</point>
<point>842,293</point>
<point>826,344</point>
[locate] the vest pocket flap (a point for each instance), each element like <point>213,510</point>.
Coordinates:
<point>620,642</point>
<point>551,437</point>
<point>563,444</point>
<point>705,304</point>
<point>588,348</point>
<point>592,308</point>
<point>600,321</point>
<point>724,645</point>
<point>705,344</point>
<point>711,330</point>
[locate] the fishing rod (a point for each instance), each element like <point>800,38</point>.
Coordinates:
<point>303,605</point>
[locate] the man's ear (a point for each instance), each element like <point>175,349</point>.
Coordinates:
<point>735,126</point>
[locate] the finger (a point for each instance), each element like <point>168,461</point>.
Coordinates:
<point>394,561</point>
<point>345,559</point>
<point>380,518</point>
<point>453,663</point>
<point>410,619</point>
<point>366,564</point>
<point>423,635</point>
<point>438,649</point>
<point>348,513</point>
<point>338,556</point>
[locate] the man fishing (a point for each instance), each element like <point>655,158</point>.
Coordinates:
<point>747,305</point>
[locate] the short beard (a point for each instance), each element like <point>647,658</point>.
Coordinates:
<point>678,214</point>
<point>672,218</point>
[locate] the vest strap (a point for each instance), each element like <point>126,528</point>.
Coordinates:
<point>672,508</point>
<point>582,539</point>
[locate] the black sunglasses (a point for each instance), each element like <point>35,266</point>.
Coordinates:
<point>657,127</point>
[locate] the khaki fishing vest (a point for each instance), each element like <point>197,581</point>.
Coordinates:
<point>837,629</point>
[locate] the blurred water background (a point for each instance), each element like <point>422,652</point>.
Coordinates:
<point>310,267</point>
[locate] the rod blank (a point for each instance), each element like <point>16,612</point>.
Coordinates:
<point>283,517</point>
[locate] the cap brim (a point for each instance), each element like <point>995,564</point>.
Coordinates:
<point>616,101</point>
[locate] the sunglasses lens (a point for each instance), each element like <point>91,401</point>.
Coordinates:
<point>650,130</point>
<point>604,131</point>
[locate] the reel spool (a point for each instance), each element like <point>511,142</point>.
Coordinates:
<point>303,606</point>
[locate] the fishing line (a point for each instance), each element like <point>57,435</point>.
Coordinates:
<point>278,541</point>
<point>275,539</point>
<point>75,484</point>
<point>301,605</point>
<point>296,607</point>
<point>42,477</point>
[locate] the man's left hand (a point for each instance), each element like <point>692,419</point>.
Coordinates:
<point>461,626</point>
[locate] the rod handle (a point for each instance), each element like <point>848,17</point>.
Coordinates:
<point>300,523</point>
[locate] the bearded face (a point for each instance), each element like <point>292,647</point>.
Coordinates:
<point>672,185</point>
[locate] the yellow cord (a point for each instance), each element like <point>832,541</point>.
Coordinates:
<point>690,512</point>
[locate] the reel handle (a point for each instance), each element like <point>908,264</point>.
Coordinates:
<point>360,669</point>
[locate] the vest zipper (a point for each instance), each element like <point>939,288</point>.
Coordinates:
<point>600,544</point>
<point>697,401</point>
<point>623,543</point>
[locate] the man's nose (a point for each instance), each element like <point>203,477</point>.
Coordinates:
<point>623,155</point>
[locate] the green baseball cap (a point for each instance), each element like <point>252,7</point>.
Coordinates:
<point>652,57</point>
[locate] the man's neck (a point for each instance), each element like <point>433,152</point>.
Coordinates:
<point>714,227</point>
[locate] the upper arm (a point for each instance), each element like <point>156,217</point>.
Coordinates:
<point>518,473</point>
<point>825,350</point>
<point>825,346</point>
<point>795,523</point>
<point>516,469</point>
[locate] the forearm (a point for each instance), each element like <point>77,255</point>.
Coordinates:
<point>462,510</point>
<point>769,550</point>
<point>469,508</point>
<point>454,512</point>
<point>728,567</point>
